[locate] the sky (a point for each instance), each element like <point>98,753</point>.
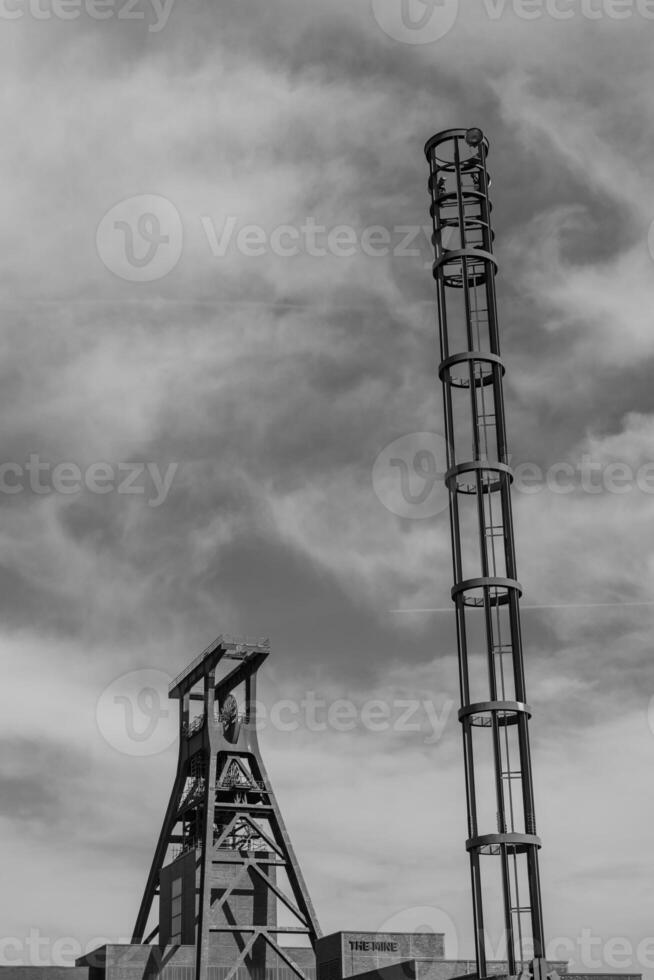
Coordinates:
<point>218,329</point>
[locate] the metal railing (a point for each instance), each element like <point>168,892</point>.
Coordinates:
<point>222,640</point>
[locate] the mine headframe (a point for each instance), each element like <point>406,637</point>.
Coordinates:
<point>224,864</point>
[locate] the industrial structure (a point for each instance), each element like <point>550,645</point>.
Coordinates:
<point>223,849</point>
<point>494,712</point>
<point>225,898</point>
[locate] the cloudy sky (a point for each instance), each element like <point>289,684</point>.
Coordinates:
<point>217,313</point>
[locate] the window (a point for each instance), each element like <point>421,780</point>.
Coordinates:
<point>176,912</point>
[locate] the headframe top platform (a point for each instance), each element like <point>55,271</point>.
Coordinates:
<point>224,646</point>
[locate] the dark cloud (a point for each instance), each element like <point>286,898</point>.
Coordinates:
<point>273,383</point>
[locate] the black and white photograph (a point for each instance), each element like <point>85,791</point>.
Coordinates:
<point>327,490</point>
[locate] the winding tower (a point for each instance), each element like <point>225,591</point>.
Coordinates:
<point>502,840</point>
<point>224,873</point>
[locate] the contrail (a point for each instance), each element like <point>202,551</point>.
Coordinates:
<point>561,605</point>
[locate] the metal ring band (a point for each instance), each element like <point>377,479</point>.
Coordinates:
<point>487,582</point>
<point>464,253</point>
<point>493,707</point>
<point>477,466</point>
<point>445,136</point>
<point>519,841</point>
<point>470,355</point>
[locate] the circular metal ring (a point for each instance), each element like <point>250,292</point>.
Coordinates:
<point>512,709</point>
<point>517,842</point>
<point>453,255</point>
<point>471,221</point>
<point>444,136</point>
<point>490,582</point>
<point>477,466</point>
<point>457,256</point>
<point>467,356</point>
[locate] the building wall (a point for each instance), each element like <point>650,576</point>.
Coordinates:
<point>604,976</point>
<point>125,962</point>
<point>305,958</point>
<point>329,957</point>
<point>346,954</point>
<point>44,972</point>
<point>462,969</point>
<point>399,956</point>
<point>449,969</point>
<point>135,962</point>
<point>407,970</point>
<point>251,902</point>
<point>436,970</point>
<point>178,900</point>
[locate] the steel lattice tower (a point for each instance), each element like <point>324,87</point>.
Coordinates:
<point>223,841</point>
<point>494,712</point>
